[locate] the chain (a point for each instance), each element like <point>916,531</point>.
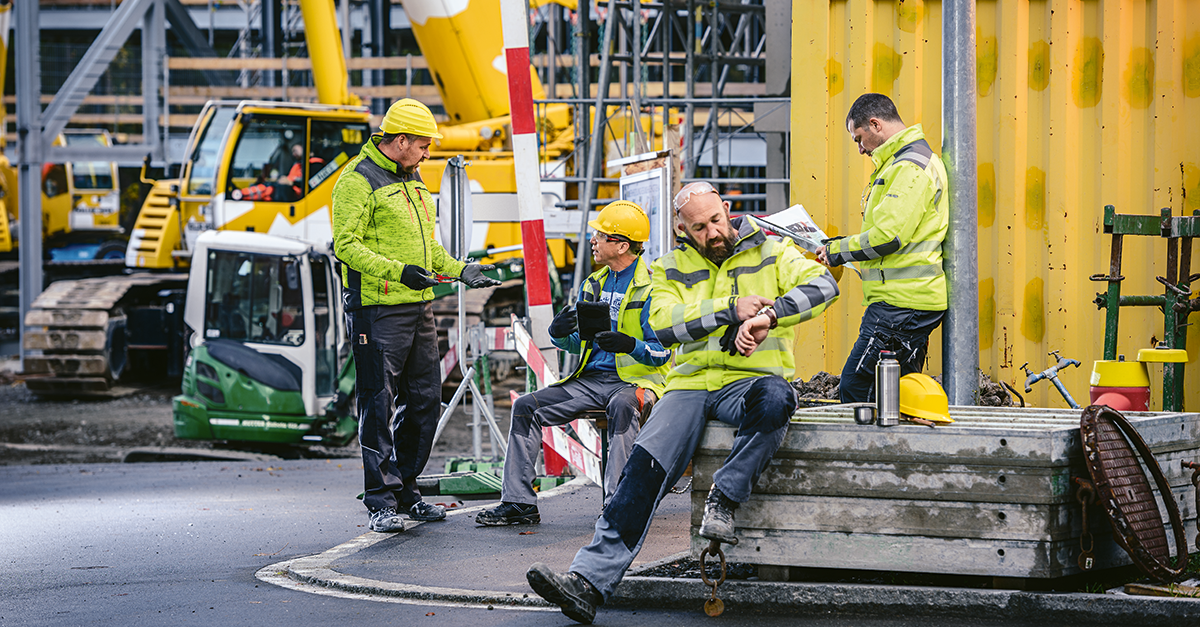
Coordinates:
<point>684,489</point>
<point>1086,496</point>
<point>713,606</point>
<point>1195,482</point>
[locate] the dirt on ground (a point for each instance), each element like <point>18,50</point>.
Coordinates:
<point>34,430</point>
<point>825,386</point>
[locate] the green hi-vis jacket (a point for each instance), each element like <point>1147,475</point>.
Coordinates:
<point>382,220</point>
<point>906,215</point>
<point>694,302</point>
<point>646,367</point>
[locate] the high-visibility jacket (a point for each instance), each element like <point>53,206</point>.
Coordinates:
<point>694,302</point>
<point>905,219</point>
<point>646,367</point>
<point>383,219</point>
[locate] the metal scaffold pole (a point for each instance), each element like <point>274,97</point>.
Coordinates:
<point>960,332</point>
<point>29,169</point>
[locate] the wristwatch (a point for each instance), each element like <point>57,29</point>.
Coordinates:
<point>770,313</point>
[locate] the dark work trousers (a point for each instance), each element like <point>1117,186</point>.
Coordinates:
<point>758,406</point>
<point>399,394</point>
<point>884,327</point>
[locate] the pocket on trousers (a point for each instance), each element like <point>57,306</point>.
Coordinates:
<point>368,357</point>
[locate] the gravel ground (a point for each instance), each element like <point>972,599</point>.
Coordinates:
<point>40,431</point>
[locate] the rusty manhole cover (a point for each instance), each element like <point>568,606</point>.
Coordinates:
<point>1125,494</point>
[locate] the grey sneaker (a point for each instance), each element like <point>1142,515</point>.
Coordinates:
<point>425,512</point>
<point>386,520</point>
<point>718,517</point>
<point>509,514</point>
<point>577,597</point>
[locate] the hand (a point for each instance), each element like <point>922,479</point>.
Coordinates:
<point>823,255</point>
<point>752,333</point>
<point>615,342</point>
<point>747,306</point>
<point>417,278</point>
<point>472,275</point>
<point>564,324</point>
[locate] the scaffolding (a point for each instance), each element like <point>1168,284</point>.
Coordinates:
<point>697,68</point>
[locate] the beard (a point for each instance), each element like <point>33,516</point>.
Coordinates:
<point>717,250</point>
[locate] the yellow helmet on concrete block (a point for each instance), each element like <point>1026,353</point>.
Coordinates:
<point>922,397</point>
<point>623,218</point>
<point>412,117</point>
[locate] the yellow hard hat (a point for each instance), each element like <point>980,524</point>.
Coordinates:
<point>922,397</point>
<point>623,218</point>
<point>412,117</point>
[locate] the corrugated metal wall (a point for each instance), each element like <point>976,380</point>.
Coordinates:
<point>1081,104</point>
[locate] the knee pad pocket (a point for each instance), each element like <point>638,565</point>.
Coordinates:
<point>637,493</point>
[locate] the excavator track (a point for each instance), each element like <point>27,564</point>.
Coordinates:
<point>85,336</point>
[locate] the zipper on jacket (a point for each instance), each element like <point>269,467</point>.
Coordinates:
<point>385,287</point>
<point>424,244</point>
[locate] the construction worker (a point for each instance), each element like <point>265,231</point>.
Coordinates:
<point>905,218</point>
<point>725,297</point>
<point>383,225</point>
<point>622,370</point>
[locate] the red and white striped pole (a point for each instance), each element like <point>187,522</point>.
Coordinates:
<point>514,21</point>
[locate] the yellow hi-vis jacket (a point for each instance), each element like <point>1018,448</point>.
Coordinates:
<point>694,302</point>
<point>646,367</point>
<point>906,215</point>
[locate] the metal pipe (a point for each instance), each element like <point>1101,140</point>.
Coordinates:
<point>595,146</point>
<point>29,169</point>
<point>960,332</point>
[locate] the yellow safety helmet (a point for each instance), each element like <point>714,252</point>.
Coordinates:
<point>623,218</point>
<point>412,117</point>
<point>922,397</point>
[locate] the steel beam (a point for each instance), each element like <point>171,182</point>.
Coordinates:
<point>193,39</point>
<point>154,50</point>
<point>960,331</point>
<point>29,156</point>
<point>93,64</point>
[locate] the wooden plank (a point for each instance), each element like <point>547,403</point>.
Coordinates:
<point>66,318</point>
<point>66,365</point>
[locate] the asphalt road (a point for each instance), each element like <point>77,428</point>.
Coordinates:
<point>179,544</point>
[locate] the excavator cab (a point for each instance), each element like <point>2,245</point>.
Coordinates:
<point>269,361</point>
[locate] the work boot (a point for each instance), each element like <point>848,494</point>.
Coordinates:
<point>577,597</point>
<point>386,520</point>
<point>425,512</point>
<point>509,514</point>
<point>718,517</point>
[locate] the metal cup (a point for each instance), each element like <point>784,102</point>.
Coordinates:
<point>864,414</point>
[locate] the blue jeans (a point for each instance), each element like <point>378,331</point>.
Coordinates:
<point>884,327</point>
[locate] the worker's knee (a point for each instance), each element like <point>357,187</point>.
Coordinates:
<point>631,506</point>
<point>523,408</point>
<point>770,402</point>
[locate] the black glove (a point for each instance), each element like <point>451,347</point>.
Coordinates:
<point>727,340</point>
<point>417,278</point>
<point>472,275</point>
<point>615,342</point>
<point>564,323</point>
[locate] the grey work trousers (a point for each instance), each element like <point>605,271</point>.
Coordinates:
<point>759,407</point>
<point>559,404</point>
<point>398,389</point>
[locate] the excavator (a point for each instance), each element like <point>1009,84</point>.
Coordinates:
<point>80,208</point>
<point>259,320</point>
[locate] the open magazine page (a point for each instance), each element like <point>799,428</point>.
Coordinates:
<point>795,223</point>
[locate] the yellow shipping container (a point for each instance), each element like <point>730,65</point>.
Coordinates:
<point>1080,105</point>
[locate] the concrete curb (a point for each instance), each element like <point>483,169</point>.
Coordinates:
<point>909,601</point>
<point>314,574</point>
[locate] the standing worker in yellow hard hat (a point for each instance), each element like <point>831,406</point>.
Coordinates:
<point>383,225</point>
<point>622,370</point>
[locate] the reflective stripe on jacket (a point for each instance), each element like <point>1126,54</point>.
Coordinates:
<point>383,219</point>
<point>646,366</point>
<point>694,302</point>
<point>905,219</point>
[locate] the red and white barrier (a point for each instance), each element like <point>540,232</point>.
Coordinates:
<point>514,21</point>
<point>494,339</point>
